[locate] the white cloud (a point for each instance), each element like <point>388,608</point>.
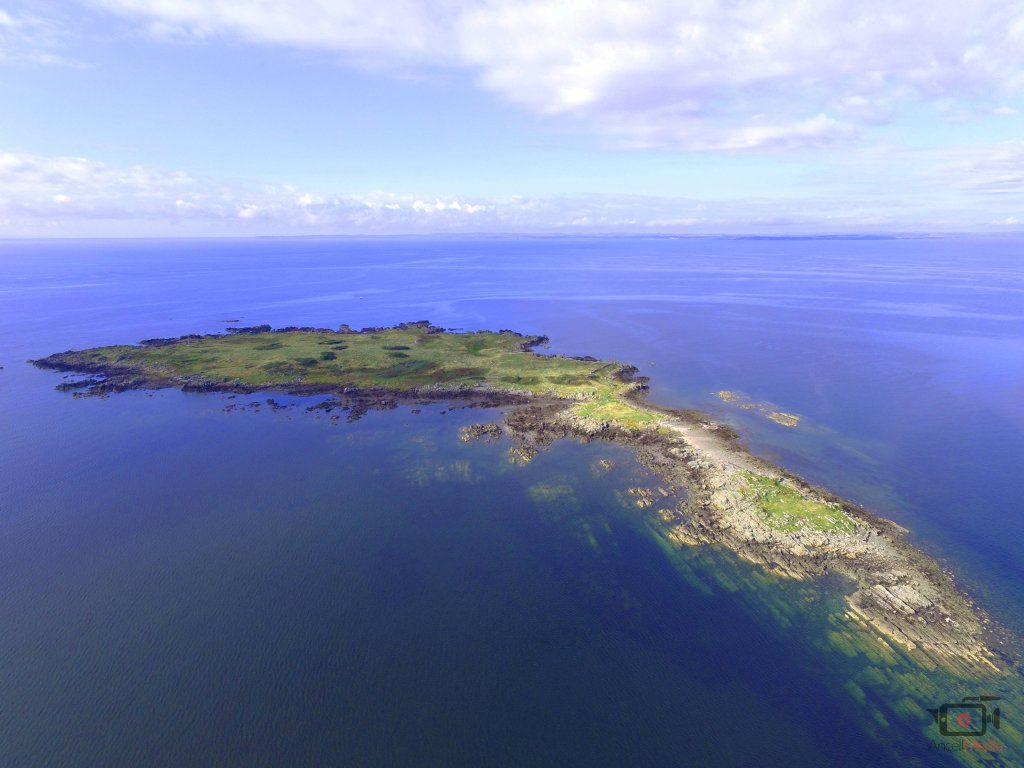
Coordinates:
<point>40,192</point>
<point>249,211</point>
<point>29,183</point>
<point>992,168</point>
<point>704,74</point>
<point>69,195</point>
<point>401,30</point>
<point>28,38</point>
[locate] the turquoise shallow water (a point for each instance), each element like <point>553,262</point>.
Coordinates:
<point>182,585</point>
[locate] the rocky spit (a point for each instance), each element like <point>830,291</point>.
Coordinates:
<point>898,592</point>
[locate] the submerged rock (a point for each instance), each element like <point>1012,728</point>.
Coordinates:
<point>487,432</point>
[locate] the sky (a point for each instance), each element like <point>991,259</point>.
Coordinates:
<point>320,117</point>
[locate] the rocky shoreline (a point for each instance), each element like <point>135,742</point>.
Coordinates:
<point>898,592</point>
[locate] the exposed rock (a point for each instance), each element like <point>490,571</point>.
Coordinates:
<point>898,591</point>
<point>643,497</point>
<point>486,432</point>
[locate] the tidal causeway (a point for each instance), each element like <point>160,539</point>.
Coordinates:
<point>712,490</point>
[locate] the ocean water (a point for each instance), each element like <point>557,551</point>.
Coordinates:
<point>182,584</point>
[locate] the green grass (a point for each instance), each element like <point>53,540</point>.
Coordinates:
<point>612,409</point>
<point>397,359</point>
<point>784,509</point>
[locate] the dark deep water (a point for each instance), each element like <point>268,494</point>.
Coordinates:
<point>180,585</point>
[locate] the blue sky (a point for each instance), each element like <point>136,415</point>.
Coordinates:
<point>163,117</point>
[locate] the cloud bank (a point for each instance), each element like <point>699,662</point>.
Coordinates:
<point>705,74</point>
<point>41,195</point>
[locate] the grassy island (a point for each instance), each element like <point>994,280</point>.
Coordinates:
<point>411,358</point>
<point>732,498</point>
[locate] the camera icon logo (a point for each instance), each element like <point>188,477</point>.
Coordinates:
<point>971,716</point>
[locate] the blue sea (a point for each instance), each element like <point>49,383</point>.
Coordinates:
<point>183,582</point>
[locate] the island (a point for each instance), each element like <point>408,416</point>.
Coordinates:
<point>730,497</point>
